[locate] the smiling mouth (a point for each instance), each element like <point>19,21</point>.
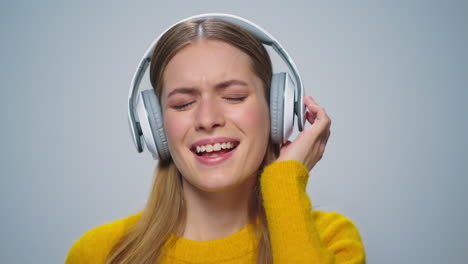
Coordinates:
<point>214,150</point>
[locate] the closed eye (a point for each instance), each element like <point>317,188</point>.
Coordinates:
<point>182,106</point>
<point>236,99</point>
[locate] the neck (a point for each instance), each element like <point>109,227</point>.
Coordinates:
<point>214,215</point>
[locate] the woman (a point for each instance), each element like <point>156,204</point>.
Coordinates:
<point>227,194</point>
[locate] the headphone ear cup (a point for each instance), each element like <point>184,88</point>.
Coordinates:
<point>156,125</point>
<point>276,107</point>
<point>281,107</point>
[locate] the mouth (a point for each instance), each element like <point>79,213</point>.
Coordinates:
<point>214,150</point>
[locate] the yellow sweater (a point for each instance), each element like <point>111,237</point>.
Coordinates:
<point>297,234</point>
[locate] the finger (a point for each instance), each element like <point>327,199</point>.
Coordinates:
<point>328,136</point>
<point>311,108</point>
<point>309,100</point>
<point>310,117</point>
<point>319,117</point>
<point>322,119</point>
<point>310,103</point>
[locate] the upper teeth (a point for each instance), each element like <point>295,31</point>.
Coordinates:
<point>214,147</point>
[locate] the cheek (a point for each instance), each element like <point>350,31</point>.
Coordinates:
<point>254,119</point>
<point>174,128</point>
<point>255,125</point>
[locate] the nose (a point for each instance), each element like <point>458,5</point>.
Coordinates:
<point>209,115</point>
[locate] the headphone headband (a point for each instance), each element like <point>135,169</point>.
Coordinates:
<point>251,27</point>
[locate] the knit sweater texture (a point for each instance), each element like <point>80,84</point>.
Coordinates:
<point>298,234</point>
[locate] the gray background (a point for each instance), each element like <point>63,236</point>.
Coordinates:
<point>392,76</point>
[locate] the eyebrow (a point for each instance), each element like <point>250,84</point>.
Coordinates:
<point>219,86</point>
<point>228,83</point>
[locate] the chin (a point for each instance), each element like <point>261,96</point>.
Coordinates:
<point>217,182</point>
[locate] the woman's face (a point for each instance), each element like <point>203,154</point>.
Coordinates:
<point>216,116</point>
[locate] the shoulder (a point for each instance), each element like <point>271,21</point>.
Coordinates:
<point>333,220</point>
<point>94,245</point>
<point>339,234</point>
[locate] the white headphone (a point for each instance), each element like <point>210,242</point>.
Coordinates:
<point>285,95</point>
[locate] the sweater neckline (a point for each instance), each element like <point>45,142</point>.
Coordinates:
<point>236,245</point>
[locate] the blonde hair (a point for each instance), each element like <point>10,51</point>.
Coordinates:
<point>164,213</point>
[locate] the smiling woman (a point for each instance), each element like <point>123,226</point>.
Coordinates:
<point>228,193</point>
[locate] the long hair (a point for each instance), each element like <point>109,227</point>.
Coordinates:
<point>164,212</point>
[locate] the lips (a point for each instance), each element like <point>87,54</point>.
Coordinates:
<point>212,141</point>
<point>213,151</point>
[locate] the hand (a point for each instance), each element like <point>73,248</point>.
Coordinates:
<point>309,146</point>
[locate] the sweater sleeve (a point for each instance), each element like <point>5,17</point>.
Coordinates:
<point>298,234</point>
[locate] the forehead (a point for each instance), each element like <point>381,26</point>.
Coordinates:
<point>206,62</point>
